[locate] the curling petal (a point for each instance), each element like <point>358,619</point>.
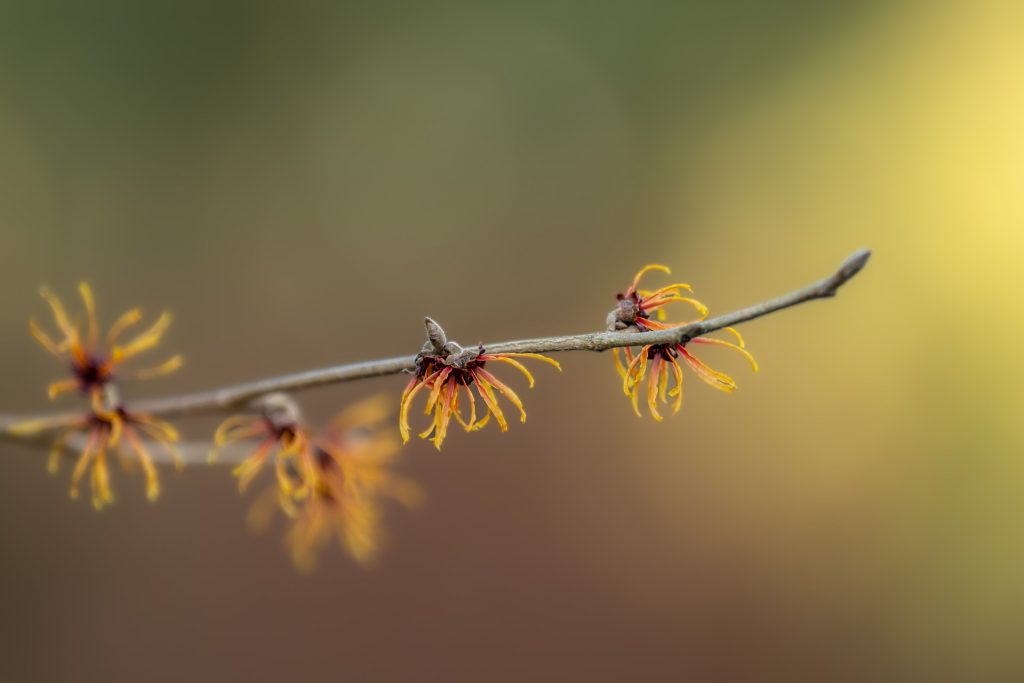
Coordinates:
<point>736,333</point>
<point>44,339</point>
<point>633,373</point>
<point>652,388</point>
<point>517,365</point>
<point>734,347</point>
<point>247,470</point>
<point>126,320</point>
<point>57,449</point>
<point>167,367</point>
<point>413,388</point>
<point>505,390</point>
<point>144,459</point>
<point>93,329</point>
<point>60,316</point>
<point>487,394</point>
<point>63,386</point>
<point>101,493</point>
<point>238,427</point>
<point>667,289</point>
<point>144,341</point>
<point>535,356</point>
<point>677,372</point>
<point>718,380</point>
<point>83,462</point>
<point>649,267</point>
<point>619,367</point>
<point>657,303</point>
<point>447,406</point>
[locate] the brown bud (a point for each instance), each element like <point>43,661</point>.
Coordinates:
<point>279,409</point>
<point>623,315</point>
<point>436,336</point>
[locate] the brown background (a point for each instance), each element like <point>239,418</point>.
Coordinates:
<point>300,184</point>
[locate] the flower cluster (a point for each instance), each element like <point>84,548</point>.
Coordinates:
<point>278,427</point>
<point>354,455</point>
<point>94,362</point>
<point>331,484</point>
<point>107,424</point>
<point>447,372</point>
<point>642,311</point>
<point>106,432</point>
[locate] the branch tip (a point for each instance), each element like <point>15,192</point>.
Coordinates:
<point>853,264</point>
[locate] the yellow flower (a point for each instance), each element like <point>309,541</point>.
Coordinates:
<point>282,439</point>
<point>656,361</point>
<point>352,474</point>
<point>636,306</point>
<point>97,434</point>
<point>108,425</point>
<point>450,377</point>
<point>94,362</point>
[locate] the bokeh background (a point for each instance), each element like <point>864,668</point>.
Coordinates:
<point>300,183</point>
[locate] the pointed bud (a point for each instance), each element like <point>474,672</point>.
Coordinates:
<point>436,336</point>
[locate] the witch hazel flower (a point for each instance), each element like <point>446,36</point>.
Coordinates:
<point>454,379</point>
<point>107,428</point>
<point>659,364</point>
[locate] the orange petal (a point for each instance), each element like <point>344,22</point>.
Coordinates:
<point>83,462</point>
<point>619,367</point>
<point>227,431</point>
<point>447,405</point>
<point>489,398</point>
<point>165,368</point>
<point>412,388</point>
<point>517,365</point>
<point>668,289</point>
<point>734,347</point>
<point>60,316</point>
<point>168,446</point>
<point>44,339</point>
<point>62,387</point>
<point>251,466</point>
<point>649,267</point>
<point>123,323</point>
<point>505,390</point>
<point>663,379</point>
<point>90,312</point>
<point>652,388</point>
<point>535,356</point>
<point>632,373</point>
<point>142,455</point>
<point>649,304</point>
<point>678,390</point>
<point>468,426</point>
<point>53,462</point>
<point>435,392</point>
<point>101,493</point>
<point>736,333</point>
<point>144,341</point>
<point>718,380</point>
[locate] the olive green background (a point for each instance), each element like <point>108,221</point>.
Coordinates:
<point>301,183</point>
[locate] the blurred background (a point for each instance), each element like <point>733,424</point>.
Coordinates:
<point>301,183</point>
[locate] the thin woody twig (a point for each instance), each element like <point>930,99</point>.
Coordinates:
<point>238,396</point>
